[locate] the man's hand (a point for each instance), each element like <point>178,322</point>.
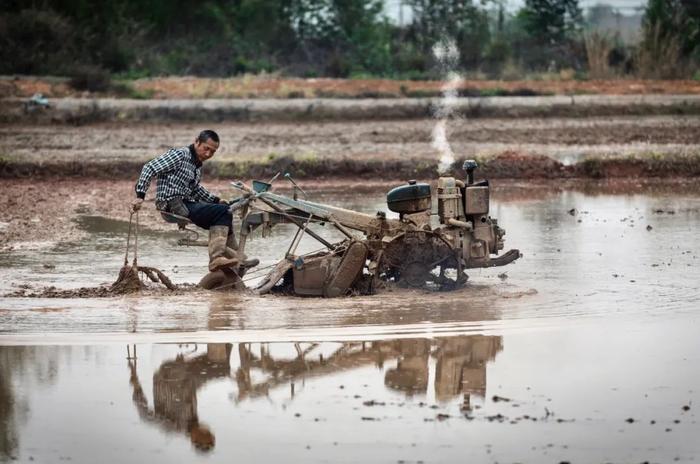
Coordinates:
<point>223,202</point>
<point>136,205</point>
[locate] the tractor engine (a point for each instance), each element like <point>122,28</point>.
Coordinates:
<point>463,209</point>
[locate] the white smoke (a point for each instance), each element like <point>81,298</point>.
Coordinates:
<point>447,55</point>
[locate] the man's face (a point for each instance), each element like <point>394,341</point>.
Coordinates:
<point>206,149</point>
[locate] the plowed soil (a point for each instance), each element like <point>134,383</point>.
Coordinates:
<point>390,149</point>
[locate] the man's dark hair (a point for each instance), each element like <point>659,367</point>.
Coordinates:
<point>206,135</point>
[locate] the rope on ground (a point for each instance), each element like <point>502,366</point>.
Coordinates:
<point>128,280</point>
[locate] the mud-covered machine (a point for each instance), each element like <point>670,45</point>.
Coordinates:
<point>408,251</point>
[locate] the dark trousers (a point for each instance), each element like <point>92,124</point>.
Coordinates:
<point>206,215</point>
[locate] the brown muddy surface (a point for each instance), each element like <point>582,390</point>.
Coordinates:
<point>358,140</point>
<point>551,147</point>
<point>584,350</point>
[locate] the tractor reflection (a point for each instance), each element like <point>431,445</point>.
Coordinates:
<point>457,364</point>
<point>460,365</point>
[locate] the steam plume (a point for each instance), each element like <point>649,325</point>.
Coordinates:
<point>447,56</point>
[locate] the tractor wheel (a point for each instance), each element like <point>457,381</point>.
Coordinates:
<point>422,259</point>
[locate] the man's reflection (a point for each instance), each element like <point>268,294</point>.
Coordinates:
<point>175,386</point>
<point>411,372</point>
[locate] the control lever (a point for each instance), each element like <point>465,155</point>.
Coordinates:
<point>241,186</point>
<point>275,177</point>
<point>288,176</point>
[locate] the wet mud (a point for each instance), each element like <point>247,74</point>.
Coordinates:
<point>28,291</point>
<point>130,280</point>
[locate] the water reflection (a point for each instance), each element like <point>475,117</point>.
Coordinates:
<point>175,386</point>
<point>458,366</point>
<point>8,427</point>
<point>23,365</point>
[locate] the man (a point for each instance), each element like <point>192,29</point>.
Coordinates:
<point>178,191</point>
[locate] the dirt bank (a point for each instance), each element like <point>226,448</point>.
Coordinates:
<point>507,165</point>
<point>85,111</point>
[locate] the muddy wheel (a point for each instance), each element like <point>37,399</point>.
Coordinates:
<point>223,279</point>
<point>423,259</point>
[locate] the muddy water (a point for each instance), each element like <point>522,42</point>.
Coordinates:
<point>585,350</point>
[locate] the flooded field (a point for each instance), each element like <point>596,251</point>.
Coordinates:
<point>585,350</point>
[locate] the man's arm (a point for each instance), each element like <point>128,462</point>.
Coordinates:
<point>200,193</point>
<point>166,162</point>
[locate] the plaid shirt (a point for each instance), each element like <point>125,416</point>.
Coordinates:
<point>178,171</point>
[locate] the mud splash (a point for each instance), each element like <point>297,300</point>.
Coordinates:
<point>127,282</point>
<point>27,291</point>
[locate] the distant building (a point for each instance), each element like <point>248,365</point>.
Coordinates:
<point>606,18</point>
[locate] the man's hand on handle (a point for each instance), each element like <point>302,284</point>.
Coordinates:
<point>136,205</point>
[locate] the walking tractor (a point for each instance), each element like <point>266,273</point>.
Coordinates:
<point>408,251</point>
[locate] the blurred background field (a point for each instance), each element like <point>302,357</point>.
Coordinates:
<point>352,88</point>
<point>290,48</point>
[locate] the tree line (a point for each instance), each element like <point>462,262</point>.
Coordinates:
<point>337,38</point>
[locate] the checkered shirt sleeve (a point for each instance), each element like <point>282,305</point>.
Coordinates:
<point>169,161</point>
<point>200,193</point>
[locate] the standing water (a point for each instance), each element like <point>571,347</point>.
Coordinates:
<point>584,350</point>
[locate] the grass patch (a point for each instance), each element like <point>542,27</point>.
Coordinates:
<point>123,89</point>
<point>422,93</point>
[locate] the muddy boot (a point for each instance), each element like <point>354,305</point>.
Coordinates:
<point>217,249</point>
<point>233,253</point>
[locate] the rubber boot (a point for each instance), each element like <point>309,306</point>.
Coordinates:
<point>217,249</point>
<point>233,253</point>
